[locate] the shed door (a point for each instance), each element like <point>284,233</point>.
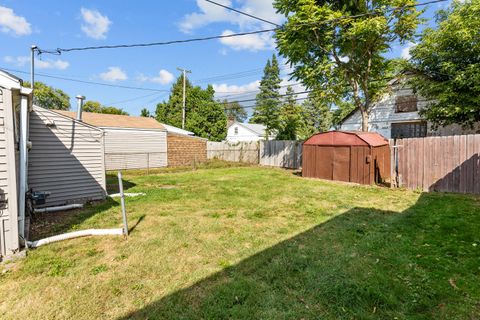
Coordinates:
<point>324,162</point>
<point>341,164</point>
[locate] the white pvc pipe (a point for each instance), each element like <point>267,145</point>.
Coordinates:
<point>118,195</point>
<point>75,234</point>
<point>59,208</point>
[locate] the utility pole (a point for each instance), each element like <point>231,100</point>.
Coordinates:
<point>184,72</point>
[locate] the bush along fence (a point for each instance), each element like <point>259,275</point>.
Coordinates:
<point>275,153</point>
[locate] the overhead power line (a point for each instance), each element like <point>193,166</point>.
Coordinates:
<point>150,44</point>
<point>243,13</point>
<point>88,82</point>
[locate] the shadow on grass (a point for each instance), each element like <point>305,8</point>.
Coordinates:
<point>112,183</point>
<point>363,264</point>
<point>50,224</point>
<point>140,219</point>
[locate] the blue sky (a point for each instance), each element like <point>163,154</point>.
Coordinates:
<point>235,64</point>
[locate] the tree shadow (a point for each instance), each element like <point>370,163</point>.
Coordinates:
<point>464,178</point>
<point>363,264</point>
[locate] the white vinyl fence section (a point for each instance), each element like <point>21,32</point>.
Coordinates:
<point>275,153</point>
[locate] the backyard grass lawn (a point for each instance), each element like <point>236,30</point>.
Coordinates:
<point>257,243</point>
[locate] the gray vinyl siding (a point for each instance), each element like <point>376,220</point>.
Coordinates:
<point>66,159</point>
<point>135,149</point>
<point>8,177</point>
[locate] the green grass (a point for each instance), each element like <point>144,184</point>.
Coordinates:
<point>257,243</point>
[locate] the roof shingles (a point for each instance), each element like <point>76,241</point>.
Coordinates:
<point>115,121</point>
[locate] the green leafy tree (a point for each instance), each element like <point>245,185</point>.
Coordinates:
<point>446,64</point>
<point>48,97</point>
<point>97,107</point>
<point>170,111</point>
<point>331,52</point>
<point>204,115</point>
<point>268,101</point>
<point>290,118</point>
<point>234,111</point>
<point>145,113</point>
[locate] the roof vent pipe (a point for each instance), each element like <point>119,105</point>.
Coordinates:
<point>79,106</point>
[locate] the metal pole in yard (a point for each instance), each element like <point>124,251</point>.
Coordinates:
<point>122,200</point>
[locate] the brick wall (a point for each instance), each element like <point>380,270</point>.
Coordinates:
<point>184,150</point>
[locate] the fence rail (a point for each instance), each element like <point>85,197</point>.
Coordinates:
<point>447,164</point>
<point>284,154</point>
<point>126,161</point>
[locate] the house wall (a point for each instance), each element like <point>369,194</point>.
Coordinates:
<point>66,158</point>
<point>135,149</point>
<point>383,115</point>
<point>243,134</point>
<point>8,177</point>
<point>185,150</point>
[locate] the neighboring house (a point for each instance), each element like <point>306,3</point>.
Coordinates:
<point>130,142</point>
<point>15,100</point>
<point>66,158</point>
<point>238,131</point>
<point>396,116</point>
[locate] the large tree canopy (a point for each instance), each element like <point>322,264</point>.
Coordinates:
<point>340,46</point>
<point>48,97</point>
<point>446,64</point>
<point>97,107</point>
<point>234,111</point>
<point>204,115</point>
<point>290,119</point>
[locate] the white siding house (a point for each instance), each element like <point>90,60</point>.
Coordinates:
<point>66,158</point>
<point>238,132</point>
<point>13,98</point>
<point>130,142</point>
<point>396,116</point>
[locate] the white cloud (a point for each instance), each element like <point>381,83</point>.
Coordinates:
<point>164,77</point>
<point>95,24</point>
<point>251,42</point>
<point>405,54</point>
<point>114,74</point>
<point>211,13</point>
<point>41,64</point>
<point>11,23</point>
<point>224,90</point>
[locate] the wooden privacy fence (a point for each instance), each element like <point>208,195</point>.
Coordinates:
<point>284,154</point>
<point>447,164</point>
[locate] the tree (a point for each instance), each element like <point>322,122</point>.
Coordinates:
<point>170,112</point>
<point>97,107</point>
<point>446,66</point>
<point>145,113</point>
<point>339,46</point>
<point>48,97</point>
<point>234,111</point>
<point>317,115</point>
<point>267,106</point>
<point>204,116</point>
<point>290,117</point>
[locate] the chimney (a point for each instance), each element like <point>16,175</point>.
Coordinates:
<point>79,106</point>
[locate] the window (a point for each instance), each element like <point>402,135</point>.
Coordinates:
<point>409,130</point>
<point>236,130</point>
<point>406,103</point>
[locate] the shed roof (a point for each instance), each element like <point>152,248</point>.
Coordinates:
<point>115,121</point>
<point>347,138</point>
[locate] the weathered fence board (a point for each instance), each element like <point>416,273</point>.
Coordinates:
<point>448,164</point>
<point>275,153</point>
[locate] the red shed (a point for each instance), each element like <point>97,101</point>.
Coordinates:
<point>360,157</point>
